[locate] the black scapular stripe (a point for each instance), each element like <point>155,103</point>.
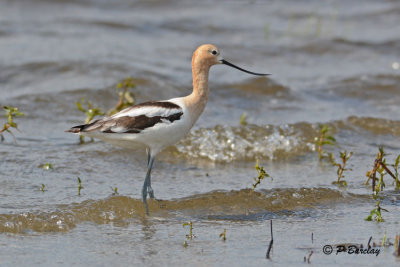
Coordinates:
<point>132,124</point>
<point>142,122</point>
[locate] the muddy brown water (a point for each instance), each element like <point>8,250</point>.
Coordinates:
<point>333,63</point>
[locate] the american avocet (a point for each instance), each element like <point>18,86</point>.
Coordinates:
<point>158,124</point>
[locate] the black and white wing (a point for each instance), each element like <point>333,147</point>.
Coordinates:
<point>134,119</point>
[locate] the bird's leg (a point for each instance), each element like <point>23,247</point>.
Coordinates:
<point>146,186</point>
<point>148,156</point>
<point>149,189</point>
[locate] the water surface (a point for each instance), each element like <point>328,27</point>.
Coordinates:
<point>333,63</point>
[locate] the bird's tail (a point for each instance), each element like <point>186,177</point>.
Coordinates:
<point>76,129</point>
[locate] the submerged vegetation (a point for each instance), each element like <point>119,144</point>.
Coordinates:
<point>189,236</point>
<point>344,156</point>
<point>223,235</point>
<point>378,184</point>
<point>324,138</point>
<point>42,188</point>
<point>397,246</point>
<point>90,112</point>
<point>80,187</point>
<point>11,113</point>
<point>243,119</point>
<point>261,175</point>
<point>114,191</point>
<point>126,97</point>
<point>376,213</point>
<point>396,172</point>
<point>46,166</point>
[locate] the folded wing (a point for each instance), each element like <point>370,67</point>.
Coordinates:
<point>134,119</point>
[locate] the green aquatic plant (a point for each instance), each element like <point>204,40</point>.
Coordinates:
<point>381,167</point>
<point>378,184</point>
<point>90,112</point>
<point>126,97</point>
<point>223,235</point>
<point>190,235</point>
<point>114,191</point>
<point>397,246</point>
<point>261,175</point>
<point>46,166</point>
<point>377,163</point>
<point>324,139</point>
<point>42,188</point>
<point>344,156</point>
<point>384,240</point>
<point>396,172</point>
<point>80,187</point>
<point>243,119</point>
<point>11,113</point>
<point>381,183</point>
<point>376,214</point>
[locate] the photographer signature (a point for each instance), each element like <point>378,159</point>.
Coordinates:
<point>351,249</point>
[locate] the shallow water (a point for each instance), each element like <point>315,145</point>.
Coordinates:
<point>334,63</point>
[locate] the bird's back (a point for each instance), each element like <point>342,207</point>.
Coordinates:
<point>155,124</point>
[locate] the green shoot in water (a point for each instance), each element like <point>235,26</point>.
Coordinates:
<point>261,175</point>
<point>324,138</point>
<point>381,167</point>
<point>378,184</point>
<point>243,119</point>
<point>381,183</point>
<point>46,166</point>
<point>397,246</point>
<point>90,112</point>
<point>126,97</point>
<point>384,240</point>
<point>80,187</point>
<point>190,235</point>
<point>396,172</point>
<point>372,174</point>
<point>341,167</point>
<point>115,191</point>
<point>42,188</point>
<point>11,112</point>
<point>376,214</point>
<point>223,235</point>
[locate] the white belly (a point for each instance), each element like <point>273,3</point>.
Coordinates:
<point>156,138</point>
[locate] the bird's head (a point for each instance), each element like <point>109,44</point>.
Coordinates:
<point>208,55</point>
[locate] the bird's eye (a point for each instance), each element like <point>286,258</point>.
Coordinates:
<point>214,52</point>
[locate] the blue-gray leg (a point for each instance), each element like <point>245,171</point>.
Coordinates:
<point>147,183</point>
<point>149,189</point>
<point>148,155</point>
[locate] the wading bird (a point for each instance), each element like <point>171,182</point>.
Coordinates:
<point>158,124</point>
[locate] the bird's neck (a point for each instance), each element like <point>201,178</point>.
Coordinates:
<point>197,100</point>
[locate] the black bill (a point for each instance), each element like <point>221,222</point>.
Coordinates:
<point>223,61</point>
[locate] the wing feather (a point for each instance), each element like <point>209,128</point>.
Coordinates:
<point>134,119</point>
